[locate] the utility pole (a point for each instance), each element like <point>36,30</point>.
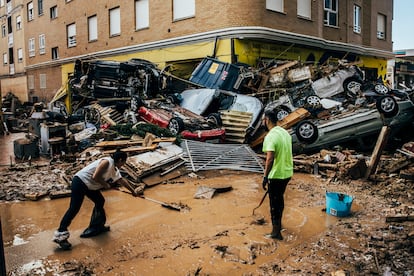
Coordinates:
<point>2,259</point>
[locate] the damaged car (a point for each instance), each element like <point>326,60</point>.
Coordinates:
<point>177,119</point>
<point>360,124</point>
<point>205,101</point>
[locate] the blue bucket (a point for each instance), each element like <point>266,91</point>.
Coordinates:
<point>338,204</point>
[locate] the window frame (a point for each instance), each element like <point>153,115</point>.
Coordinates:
<point>179,10</point>
<point>55,53</point>
<point>142,8</point>
<point>19,22</point>
<point>3,30</point>
<point>42,44</point>
<point>54,12</point>
<point>381,33</point>
<point>71,35</point>
<point>304,5</point>
<point>329,11</point>
<point>5,59</point>
<point>42,81</point>
<point>40,7</point>
<point>32,47</point>
<point>115,21</point>
<point>30,11</point>
<point>275,5</point>
<point>357,19</point>
<point>93,28</point>
<point>19,55</point>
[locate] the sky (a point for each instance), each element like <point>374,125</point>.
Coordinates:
<point>403,24</point>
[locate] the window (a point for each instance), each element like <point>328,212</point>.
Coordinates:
<point>55,53</point>
<point>381,26</point>
<point>1,3</point>
<point>18,22</point>
<point>31,47</point>
<point>30,80</point>
<point>3,30</point>
<point>4,58</point>
<point>42,44</point>
<point>275,5</point>
<point>330,16</point>
<point>92,28</point>
<point>115,22</point>
<point>42,81</point>
<point>40,7</point>
<point>53,12</point>
<point>357,19</point>
<point>20,55</point>
<point>30,11</point>
<point>141,14</point>
<point>183,9</point>
<point>305,8</point>
<point>71,33</point>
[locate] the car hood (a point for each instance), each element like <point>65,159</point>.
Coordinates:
<point>197,100</point>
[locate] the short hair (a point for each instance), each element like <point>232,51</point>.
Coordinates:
<point>271,114</point>
<point>119,155</point>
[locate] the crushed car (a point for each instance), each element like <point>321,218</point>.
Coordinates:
<point>361,125</point>
<point>177,119</point>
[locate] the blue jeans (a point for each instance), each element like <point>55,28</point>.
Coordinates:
<point>79,191</point>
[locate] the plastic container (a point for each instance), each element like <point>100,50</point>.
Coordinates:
<point>338,204</point>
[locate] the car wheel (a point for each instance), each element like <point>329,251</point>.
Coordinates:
<point>176,125</point>
<point>306,132</point>
<point>387,106</point>
<point>313,101</point>
<point>92,115</point>
<point>352,85</point>
<point>381,89</point>
<point>215,119</point>
<point>282,112</point>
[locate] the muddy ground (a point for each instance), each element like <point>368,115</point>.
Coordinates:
<point>216,236</point>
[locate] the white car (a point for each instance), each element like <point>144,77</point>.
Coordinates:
<point>206,101</point>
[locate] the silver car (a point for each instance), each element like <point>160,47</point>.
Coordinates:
<point>358,124</point>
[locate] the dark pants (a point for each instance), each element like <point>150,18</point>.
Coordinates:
<point>277,189</point>
<point>79,191</point>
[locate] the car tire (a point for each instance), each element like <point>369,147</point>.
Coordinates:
<point>215,119</point>
<point>387,106</point>
<point>176,125</point>
<point>306,132</point>
<point>92,116</point>
<point>313,101</point>
<point>381,89</point>
<point>352,85</point>
<point>282,112</point>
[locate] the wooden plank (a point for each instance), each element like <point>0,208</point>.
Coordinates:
<point>137,149</point>
<point>376,154</point>
<point>399,218</point>
<point>132,142</point>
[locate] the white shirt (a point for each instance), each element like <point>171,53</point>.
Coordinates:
<point>86,174</point>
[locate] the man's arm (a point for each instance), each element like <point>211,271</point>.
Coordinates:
<point>123,182</point>
<point>270,155</point>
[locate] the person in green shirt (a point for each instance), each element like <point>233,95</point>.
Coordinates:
<point>278,169</point>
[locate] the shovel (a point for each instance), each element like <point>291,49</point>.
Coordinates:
<point>261,202</point>
<point>170,206</point>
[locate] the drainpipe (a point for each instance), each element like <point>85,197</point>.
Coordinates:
<point>215,46</point>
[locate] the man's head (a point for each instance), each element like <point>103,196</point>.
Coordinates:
<point>269,119</point>
<point>120,158</point>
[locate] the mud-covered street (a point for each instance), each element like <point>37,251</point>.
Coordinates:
<point>216,236</point>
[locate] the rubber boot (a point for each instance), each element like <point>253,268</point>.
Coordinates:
<point>277,227</point>
<point>96,225</point>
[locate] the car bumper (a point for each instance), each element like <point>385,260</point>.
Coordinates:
<point>212,135</point>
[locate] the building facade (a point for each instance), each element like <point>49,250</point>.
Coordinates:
<point>41,39</point>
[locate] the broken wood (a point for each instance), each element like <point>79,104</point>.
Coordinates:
<point>379,146</point>
<point>399,218</point>
<point>127,143</point>
<point>135,149</point>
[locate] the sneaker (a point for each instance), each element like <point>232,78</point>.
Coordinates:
<point>61,236</point>
<point>275,236</point>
